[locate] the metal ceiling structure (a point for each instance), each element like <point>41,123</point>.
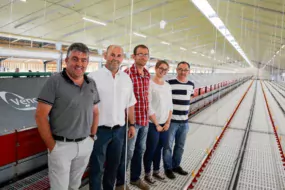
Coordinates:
<point>256,25</point>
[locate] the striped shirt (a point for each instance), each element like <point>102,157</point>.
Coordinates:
<point>181,94</point>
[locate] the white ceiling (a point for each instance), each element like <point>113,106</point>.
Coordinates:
<point>257,25</point>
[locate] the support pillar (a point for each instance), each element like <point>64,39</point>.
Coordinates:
<point>59,61</point>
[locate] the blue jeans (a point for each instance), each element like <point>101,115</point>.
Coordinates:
<point>177,132</point>
<point>106,153</point>
<point>135,149</point>
<point>154,144</point>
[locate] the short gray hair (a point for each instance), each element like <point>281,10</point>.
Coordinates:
<point>78,47</point>
<point>114,46</point>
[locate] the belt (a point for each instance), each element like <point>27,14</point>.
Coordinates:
<point>60,138</point>
<point>110,128</point>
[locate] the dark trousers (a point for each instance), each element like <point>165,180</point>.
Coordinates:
<point>135,149</point>
<point>154,144</point>
<point>107,150</point>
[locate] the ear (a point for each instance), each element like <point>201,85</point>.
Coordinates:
<point>66,60</point>
<point>105,55</point>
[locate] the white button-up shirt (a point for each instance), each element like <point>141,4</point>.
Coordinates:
<point>116,94</point>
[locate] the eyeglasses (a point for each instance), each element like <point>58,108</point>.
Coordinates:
<point>183,70</point>
<point>142,55</point>
<point>163,70</point>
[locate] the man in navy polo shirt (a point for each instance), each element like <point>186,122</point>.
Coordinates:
<point>67,119</point>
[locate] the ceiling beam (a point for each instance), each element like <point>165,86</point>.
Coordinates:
<point>255,7</point>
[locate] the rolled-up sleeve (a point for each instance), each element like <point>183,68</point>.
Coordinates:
<point>151,110</point>
<point>132,100</point>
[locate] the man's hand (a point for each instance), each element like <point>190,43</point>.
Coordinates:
<point>51,146</point>
<point>166,126</point>
<point>131,132</point>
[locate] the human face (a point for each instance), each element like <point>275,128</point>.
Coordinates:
<point>114,58</point>
<point>76,64</point>
<point>141,57</point>
<point>161,71</point>
<point>183,71</point>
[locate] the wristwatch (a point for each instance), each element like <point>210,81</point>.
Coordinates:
<point>131,124</point>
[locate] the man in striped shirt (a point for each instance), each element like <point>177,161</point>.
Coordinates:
<point>182,90</point>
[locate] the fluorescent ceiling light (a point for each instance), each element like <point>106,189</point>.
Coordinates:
<point>94,21</point>
<point>283,46</point>
<point>140,35</point>
<point>23,0</point>
<point>202,54</point>
<point>166,43</point>
<point>194,52</point>
<point>277,52</point>
<point>182,48</point>
<point>209,12</point>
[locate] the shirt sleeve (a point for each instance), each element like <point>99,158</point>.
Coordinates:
<point>47,94</point>
<point>170,98</point>
<point>96,97</point>
<point>96,94</point>
<point>132,100</point>
<point>193,90</point>
<point>150,91</point>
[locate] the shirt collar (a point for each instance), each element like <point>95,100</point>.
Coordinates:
<point>108,71</point>
<point>66,77</point>
<point>135,71</point>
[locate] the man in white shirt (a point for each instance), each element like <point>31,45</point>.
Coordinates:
<point>116,89</point>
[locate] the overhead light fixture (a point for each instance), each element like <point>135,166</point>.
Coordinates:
<point>277,52</point>
<point>182,48</point>
<point>212,16</point>
<point>94,21</point>
<point>140,35</point>
<point>23,0</point>
<point>162,24</point>
<point>194,52</point>
<point>212,51</point>
<point>283,46</point>
<point>228,58</point>
<point>166,43</point>
<point>202,54</point>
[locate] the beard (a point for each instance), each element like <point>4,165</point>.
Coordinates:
<point>114,65</point>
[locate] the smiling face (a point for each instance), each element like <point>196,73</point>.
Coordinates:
<point>76,64</point>
<point>114,57</point>
<point>161,70</point>
<point>141,56</point>
<point>183,71</point>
